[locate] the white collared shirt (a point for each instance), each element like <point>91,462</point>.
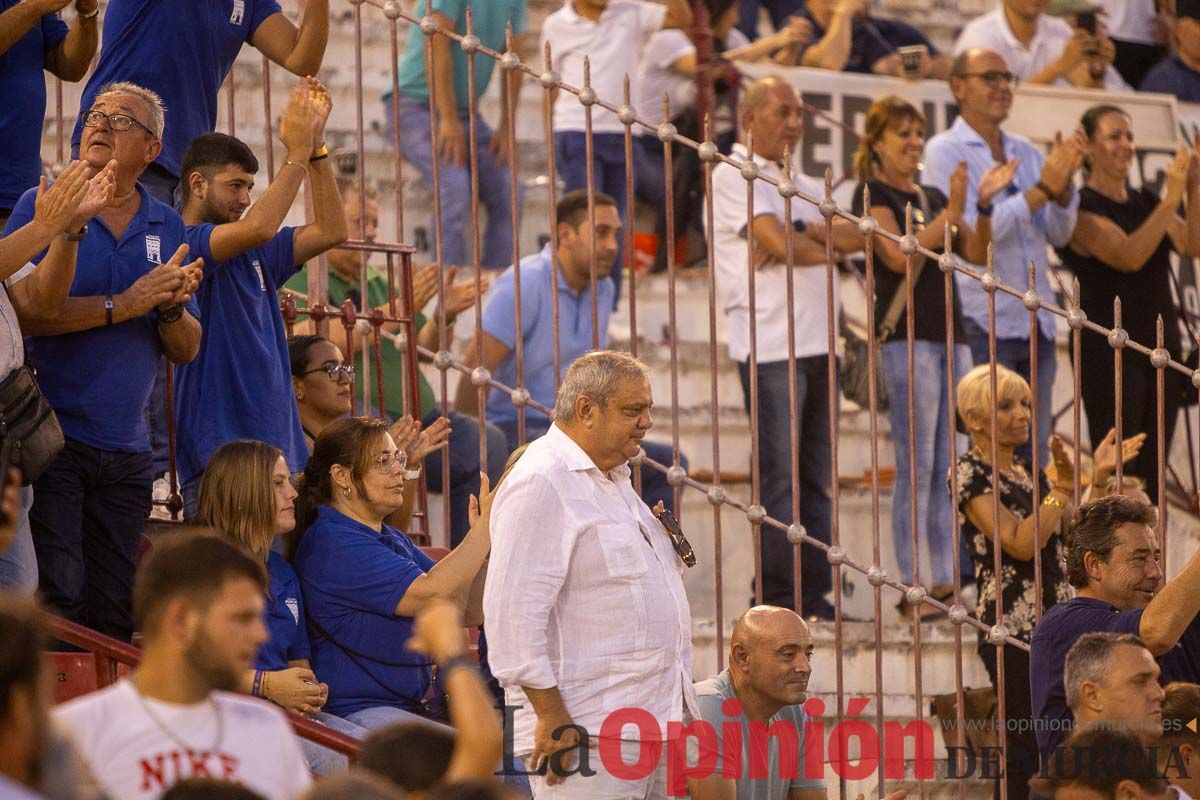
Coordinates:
<point>991,31</point>
<point>809,283</point>
<point>612,45</point>
<point>584,592</point>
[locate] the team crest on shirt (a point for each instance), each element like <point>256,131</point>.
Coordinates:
<point>153,249</point>
<point>294,606</point>
<point>239,11</point>
<point>258,271</point>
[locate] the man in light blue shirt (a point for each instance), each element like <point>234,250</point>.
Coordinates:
<point>451,101</point>
<point>1035,211</point>
<point>575,329</point>
<point>762,693</point>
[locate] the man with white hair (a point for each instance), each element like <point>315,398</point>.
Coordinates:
<point>96,358</point>
<point>584,606</point>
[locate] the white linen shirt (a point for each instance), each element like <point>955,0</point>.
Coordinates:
<point>809,282</point>
<point>612,44</point>
<point>991,31</point>
<point>584,592</point>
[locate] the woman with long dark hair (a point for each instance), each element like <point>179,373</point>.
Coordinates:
<point>1122,247</point>
<point>364,581</point>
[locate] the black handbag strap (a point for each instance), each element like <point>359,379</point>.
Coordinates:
<point>900,297</point>
<point>355,656</point>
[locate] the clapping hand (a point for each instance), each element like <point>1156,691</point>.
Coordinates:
<point>73,199</point>
<point>322,106</point>
<point>418,443</point>
<point>1180,174</point>
<point>457,297</point>
<point>1064,465</point>
<point>995,180</point>
<point>439,632</point>
<point>481,506</point>
<point>957,201</point>
<point>1104,459</point>
<point>298,123</point>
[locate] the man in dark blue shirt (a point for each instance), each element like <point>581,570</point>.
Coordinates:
<point>1113,563</point>
<point>96,360</point>
<point>846,39</point>
<point>33,39</point>
<point>1179,72</point>
<point>183,50</point>
<point>239,386</point>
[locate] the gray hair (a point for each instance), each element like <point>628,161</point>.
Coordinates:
<point>1087,661</point>
<point>758,93</point>
<point>149,98</point>
<point>596,375</point>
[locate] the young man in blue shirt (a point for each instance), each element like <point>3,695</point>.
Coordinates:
<point>96,359</point>
<point>183,51</point>
<point>32,39</point>
<point>239,385</point>
<point>1113,563</point>
<point>451,103</point>
<point>576,334</point>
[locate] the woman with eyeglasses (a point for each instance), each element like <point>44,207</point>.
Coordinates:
<point>363,580</point>
<point>246,495</point>
<point>322,381</point>
<point>1122,247</point>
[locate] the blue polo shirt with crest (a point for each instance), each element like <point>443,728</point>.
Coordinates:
<point>98,381</point>
<point>181,49</point>
<point>239,386</point>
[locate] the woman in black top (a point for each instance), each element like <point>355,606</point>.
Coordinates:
<point>887,160</point>
<point>1121,247</point>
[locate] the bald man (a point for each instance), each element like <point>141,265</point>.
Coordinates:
<point>770,661</point>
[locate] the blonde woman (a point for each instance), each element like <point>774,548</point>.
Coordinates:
<point>1016,533</point>
<point>246,494</point>
<point>887,161</point>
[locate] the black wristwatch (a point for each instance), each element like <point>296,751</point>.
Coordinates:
<point>76,237</point>
<point>172,314</point>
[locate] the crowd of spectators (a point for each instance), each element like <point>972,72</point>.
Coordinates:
<point>303,593</point>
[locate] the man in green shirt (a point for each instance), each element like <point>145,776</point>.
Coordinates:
<point>343,280</point>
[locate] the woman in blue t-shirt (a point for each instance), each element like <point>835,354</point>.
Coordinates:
<point>364,581</point>
<point>247,495</point>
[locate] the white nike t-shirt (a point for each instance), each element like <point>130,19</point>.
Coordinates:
<point>138,748</point>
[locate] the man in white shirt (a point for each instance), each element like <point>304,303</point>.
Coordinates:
<point>1042,49</point>
<point>198,601</point>
<point>584,606</point>
<point>771,111</point>
<point>610,34</point>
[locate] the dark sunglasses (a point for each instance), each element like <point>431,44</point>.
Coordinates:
<point>682,546</point>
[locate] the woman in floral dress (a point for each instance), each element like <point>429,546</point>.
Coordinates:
<point>1017,536</point>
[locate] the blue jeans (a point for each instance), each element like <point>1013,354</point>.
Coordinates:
<point>323,761</point>
<point>464,466</point>
<point>1014,354</point>
<point>777,472</point>
<point>495,192</point>
<point>89,508</point>
<point>931,442</point>
<point>382,716</point>
<point>608,171</point>
<point>654,483</point>
<point>18,564</point>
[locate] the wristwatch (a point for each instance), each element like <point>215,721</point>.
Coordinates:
<point>92,15</point>
<point>172,314</point>
<point>76,237</point>
<point>320,153</point>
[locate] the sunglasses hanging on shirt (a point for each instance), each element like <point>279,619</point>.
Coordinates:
<point>682,546</point>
